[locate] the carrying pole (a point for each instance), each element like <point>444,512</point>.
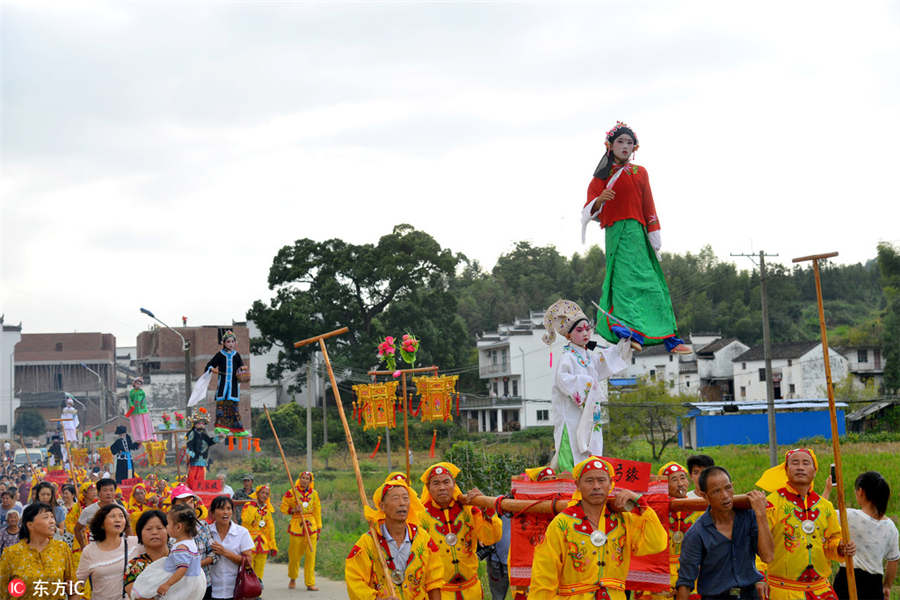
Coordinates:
<point>359,481</point>
<point>835,441</point>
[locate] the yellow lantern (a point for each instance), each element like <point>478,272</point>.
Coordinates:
<point>375,404</point>
<point>156,452</point>
<point>79,457</point>
<point>436,397</point>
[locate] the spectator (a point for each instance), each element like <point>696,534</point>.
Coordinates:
<point>7,503</point>
<point>695,466</point>
<point>104,560</point>
<point>9,535</point>
<point>106,495</point>
<point>182,494</point>
<point>245,492</point>
<point>876,540</point>
<point>38,557</point>
<point>232,544</point>
<point>46,493</point>
<point>719,551</point>
<point>152,535</point>
<point>226,489</point>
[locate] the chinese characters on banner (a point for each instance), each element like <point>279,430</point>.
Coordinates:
<point>630,474</point>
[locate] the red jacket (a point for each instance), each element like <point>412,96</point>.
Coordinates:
<point>633,200</point>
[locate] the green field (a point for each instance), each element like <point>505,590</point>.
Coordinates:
<point>342,515</point>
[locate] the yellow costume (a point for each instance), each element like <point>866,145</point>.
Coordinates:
<point>456,531</point>
<point>260,522</point>
<point>679,523</point>
<point>568,564</point>
<point>311,519</point>
<point>801,565</point>
<point>136,509</point>
<point>422,572</point>
<point>51,565</point>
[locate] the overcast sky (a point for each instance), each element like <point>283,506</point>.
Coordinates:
<point>159,154</point>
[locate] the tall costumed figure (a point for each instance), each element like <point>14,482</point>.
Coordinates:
<point>138,413</point>
<point>69,420</point>
<point>121,449</point>
<point>230,367</point>
<point>197,448</point>
<point>579,394</point>
<point>635,302</point>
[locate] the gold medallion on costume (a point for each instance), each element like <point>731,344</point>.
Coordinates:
<point>451,539</point>
<point>598,538</point>
<point>808,526</point>
<point>397,576</point>
<point>262,523</point>
<point>305,505</point>
<point>678,537</point>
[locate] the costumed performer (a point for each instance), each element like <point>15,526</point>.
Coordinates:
<point>457,529</point>
<point>258,517</point>
<point>69,420</point>
<point>805,528</point>
<point>540,473</point>
<point>301,502</point>
<point>121,449</point>
<point>230,366</point>
<point>635,302</point>
<point>138,413</point>
<point>579,390</point>
<point>587,549</point>
<point>197,448</point>
<point>139,502</point>
<point>719,551</point>
<point>411,555</point>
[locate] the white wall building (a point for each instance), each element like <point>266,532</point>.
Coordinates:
<point>9,337</point>
<point>514,364</point>
<point>679,371</point>
<point>798,371</point>
<point>866,364</point>
<point>265,391</point>
<point>716,370</point>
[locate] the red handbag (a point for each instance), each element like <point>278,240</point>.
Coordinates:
<point>247,586</point>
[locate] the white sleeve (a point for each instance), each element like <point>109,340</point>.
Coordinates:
<point>655,239</point>
<point>893,551</point>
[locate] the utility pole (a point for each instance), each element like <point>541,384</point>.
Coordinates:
<point>309,403</point>
<point>767,354</point>
<point>315,359</point>
<point>186,346</point>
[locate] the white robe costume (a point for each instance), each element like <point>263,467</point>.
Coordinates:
<point>70,428</point>
<point>579,398</point>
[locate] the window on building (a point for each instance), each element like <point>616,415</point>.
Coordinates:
<point>671,383</point>
<point>743,366</point>
<point>762,374</point>
<point>743,392</point>
<point>688,384</point>
<point>790,362</point>
<point>652,374</point>
<point>3,429</point>
<point>543,415</point>
<point>632,360</point>
<point>59,346</point>
<point>792,389</point>
<point>493,357</point>
<point>671,357</point>
<point>503,355</point>
<point>59,383</point>
<point>862,356</point>
<point>515,387</point>
<point>505,388</point>
<point>495,388</point>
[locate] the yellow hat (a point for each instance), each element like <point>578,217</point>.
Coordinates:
<point>540,473</point>
<point>255,495</point>
<point>397,475</point>
<point>670,468</point>
<point>775,478</point>
<point>312,480</point>
<point>593,463</point>
<point>377,514</point>
<point>439,469</point>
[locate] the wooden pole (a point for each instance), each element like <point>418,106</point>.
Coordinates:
<point>28,458</point>
<point>359,481</point>
<point>516,505</point>
<point>835,440</point>
<point>290,479</point>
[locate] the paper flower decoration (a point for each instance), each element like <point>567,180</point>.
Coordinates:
<point>387,353</point>
<point>409,346</point>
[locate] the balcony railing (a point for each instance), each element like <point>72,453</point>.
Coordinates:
<point>493,370</point>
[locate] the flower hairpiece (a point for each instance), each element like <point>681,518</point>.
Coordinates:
<point>619,125</point>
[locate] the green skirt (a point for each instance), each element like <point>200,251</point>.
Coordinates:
<point>634,290</point>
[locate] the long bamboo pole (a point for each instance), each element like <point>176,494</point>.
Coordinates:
<point>517,505</point>
<point>359,481</point>
<point>290,479</point>
<point>835,440</point>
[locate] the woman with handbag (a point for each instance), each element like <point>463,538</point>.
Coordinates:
<point>105,560</point>
<point>232,576</point>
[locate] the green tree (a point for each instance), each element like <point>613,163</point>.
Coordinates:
<point>327,451</point>
<point>30,423</point>
<point>647,412</point>
<point>399,284</point>
<point>889,266</point>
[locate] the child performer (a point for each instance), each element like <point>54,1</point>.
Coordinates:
<point>138,414</point>
<point>579,390</point>
<point>258,517</point>
<point>178,576</point>
<point>197,447</point>
<point>635,302</point>
<point>229,365</point>
<point>70,420</point>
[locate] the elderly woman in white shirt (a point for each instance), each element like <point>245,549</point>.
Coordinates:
<point>232,543</point>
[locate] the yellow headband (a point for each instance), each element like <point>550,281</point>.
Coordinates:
<point>775,478</point>
<point>377,514</point>
<point>670,468</point>
<point>539,473</point>
<point>592,463</point>
<point>312,480</point>
<point>439,469</point>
